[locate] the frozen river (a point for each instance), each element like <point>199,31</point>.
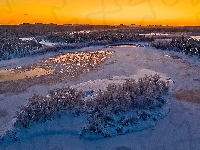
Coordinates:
<point>179,130</point>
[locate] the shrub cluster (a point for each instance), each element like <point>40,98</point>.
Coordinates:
<point>188,46</point>
<point>41,109</point>
<point>146,93</point>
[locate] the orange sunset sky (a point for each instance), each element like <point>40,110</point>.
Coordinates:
<point>144,12</point>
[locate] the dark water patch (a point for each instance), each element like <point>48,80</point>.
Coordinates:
<point>122,148</point>
<point>3,113</point>
<point>192,95</point>
<point>127,45</point>
<point>198,80</point>
<point>175,57</point>
<point>110,63</point>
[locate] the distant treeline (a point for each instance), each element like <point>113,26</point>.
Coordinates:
<point>12,48</point>
<point>26,30</point>
<point>78,36</point>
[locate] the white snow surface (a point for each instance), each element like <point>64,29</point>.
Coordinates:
<point>147,34</point>
<point>27,39</point>
<point>179,130</point>
<point>46,43</point>
<point>103,83</point>
<point>43,42</point>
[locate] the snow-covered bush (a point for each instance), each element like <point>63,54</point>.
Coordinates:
<point>107,111</point>
<point>144,94</point>
<point>41,109</point>
<point>181,44</point>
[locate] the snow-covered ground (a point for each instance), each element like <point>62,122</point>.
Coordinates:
<point>27,39</point>
<point>43,42</point>
<point>179,130</point>
<point>103,83</point>
<point>47,43</point>
<point>154,34</point>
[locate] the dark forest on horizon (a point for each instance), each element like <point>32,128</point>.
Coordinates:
<point>13,42</point>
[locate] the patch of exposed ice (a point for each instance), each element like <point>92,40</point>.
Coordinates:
<point>167,56</point>
<point>47,43</point>
<point>43,42</point>
<point>154,34</point>
<point>27,39</point>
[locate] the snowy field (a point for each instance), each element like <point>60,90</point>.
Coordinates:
<point>179,130</point>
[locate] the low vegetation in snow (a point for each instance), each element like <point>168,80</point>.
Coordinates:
<point>188,46</point>
<point>110,112</point>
